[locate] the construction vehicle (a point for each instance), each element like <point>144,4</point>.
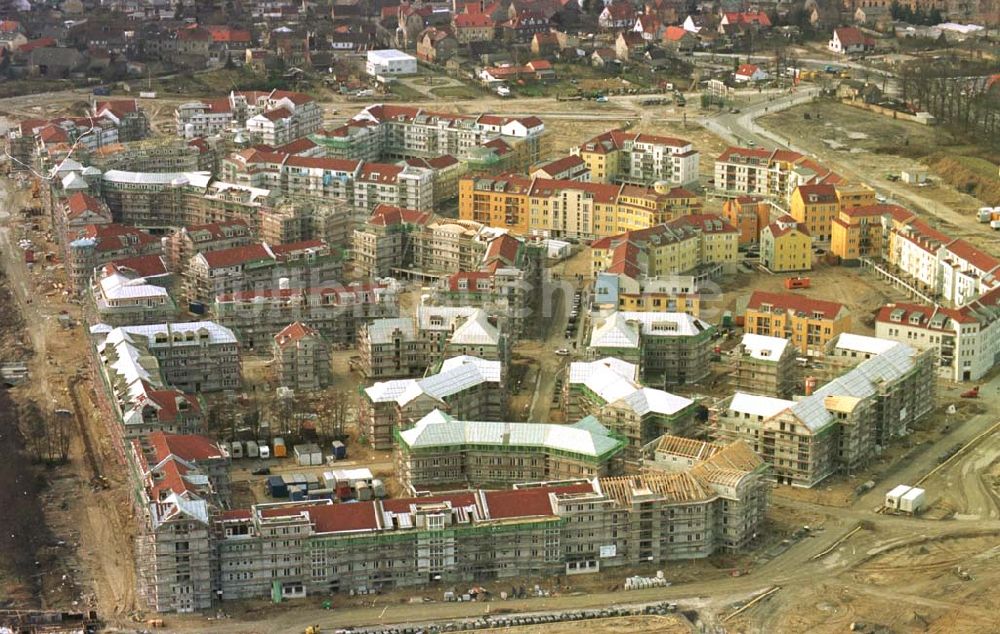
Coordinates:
<point>797,282</point>
<point>312,629</point>
<point>973,393</point>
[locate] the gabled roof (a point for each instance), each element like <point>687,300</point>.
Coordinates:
<point>294,333</point>
<point>795,303</point>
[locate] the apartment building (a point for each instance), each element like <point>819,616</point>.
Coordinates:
<point>673,294</point>
<point>444,452</point>
<point>244,110</point>
<point>337,312</point>
<point>568,209</point>
<point>197,356</point>
<point>534,530</point>
<point>179,482</point>
<point>815,207</point>
<point>839,426</point>
<point>75,212</point>
<point>704,246</point>
<point>133,291</point>
<point>786,246</point>
<point>98,244</point>
<point>385,241</point>
<point>408,132</point>
<point>749,214</point>
<point>965,340</point>
<point>466,387</point>
<point>670,348</point>
<point>358,184</point>
<point>188,241</point>
<point>733,469</point>
<point>767,173</point>
<point>619,156</point>
<point>447,171</point>
<point>764,365</point>
<point>609,389</point>
<point>261,266</point>
<point>507,284</point>
<point>863,232</point>
<point>301,358</point>
<point>154,155</point>
<point>808,323</point>
<point>939,267</point>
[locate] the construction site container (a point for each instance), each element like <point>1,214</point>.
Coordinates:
<point>235,449</point>
<point>296,494</point>
<point>364,491</point>
<point>313,482</point>
<point>280,451</point>
<point>339,449</point>
<point>912,501</point>
<point>265,451</point>
<point>378,488</point>
<point>344,491</point>
<point>253,451</point>
<point>352,476</point>
<point>276,487</point>
<point>893,497</point>
<point>727,319</point>
<point>320,494</point>
<point>308,455</point>
<point>985,214</point>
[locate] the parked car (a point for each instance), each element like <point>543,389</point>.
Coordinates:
<point>562,352</point>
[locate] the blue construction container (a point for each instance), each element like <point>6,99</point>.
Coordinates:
<point>339,449</point>
<point>296,493</point>
<point>276,487</point>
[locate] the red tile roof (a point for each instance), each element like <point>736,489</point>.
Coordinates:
<point>530,502</point>
<point>293,333</point>
<point>384,215</point>
<point>142,265</point>
<point>187,447</point>
<point>225,33</point>
<point>297,146</point>
<point>236,255</point>
<point>982,261</point>
<point>472,20</point>
<point>796,303</point>
<point>818,193</point>
<point>277,113</point>
<point>80,203</point>
<point>470,277</point>
<point>504,247</point>
<point>851,36</point>
<point>344,517</point>
<point>111,237</point>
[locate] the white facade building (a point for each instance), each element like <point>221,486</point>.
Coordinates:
<point>389,63</point>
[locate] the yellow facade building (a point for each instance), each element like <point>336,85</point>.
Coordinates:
<point>785,246</point>
<point>703,245</point>
<point>815,206</point>
<point>862,231</point>
<point>569,209</point>
<point>808,323</point>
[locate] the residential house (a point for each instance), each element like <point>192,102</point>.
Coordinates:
<point>765,365</point>
<point>436,45</point>
<point>808,323</point>
<point>849,40</point>
<point>617,15</point>
<point>473,27</point>
<point>628,45</point>
<point>815,206</point>
<point>679,40</point>
<point>785,246</point>
<point>301,358</point>
<point>749,73</point>
<point>749,214</point>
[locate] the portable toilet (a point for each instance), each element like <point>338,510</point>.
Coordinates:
<point>378,489</point>
<point>236,450</point>
<point>339,449</point>
<point>265,451</point>
<point>912,501</point>
<point>280,451</point>
<point>893,497</point>
<point>253,451</point>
